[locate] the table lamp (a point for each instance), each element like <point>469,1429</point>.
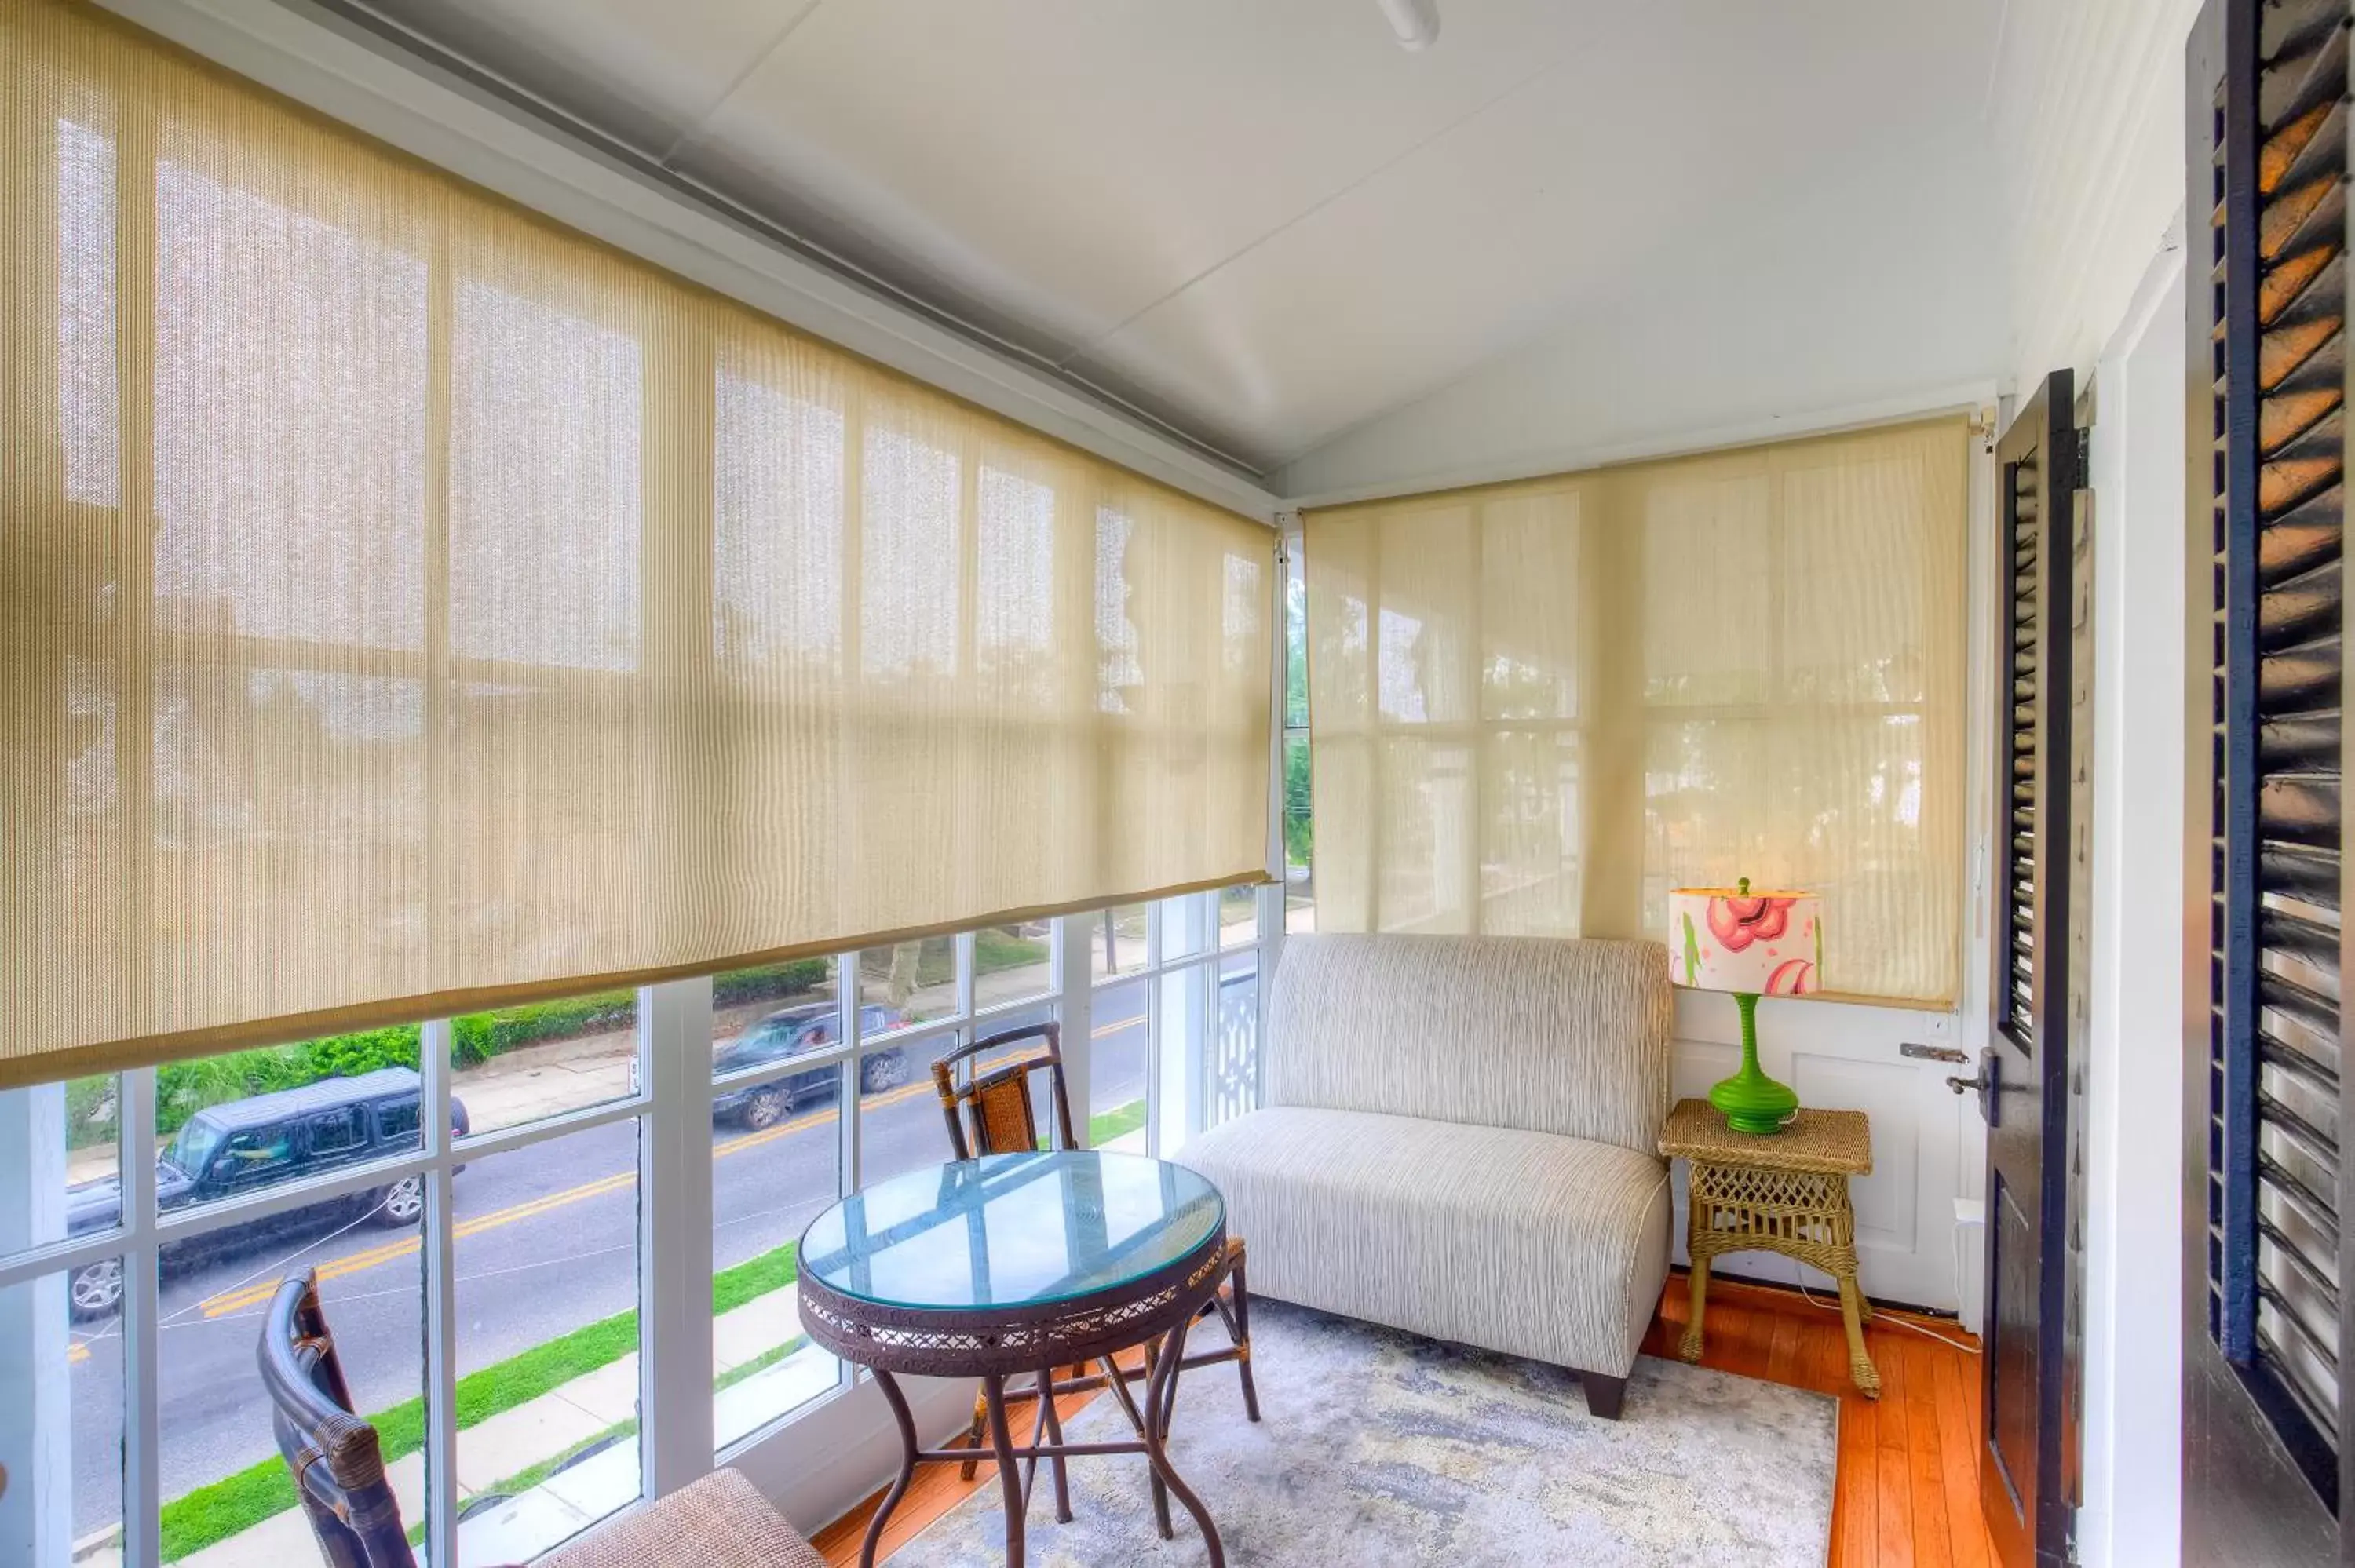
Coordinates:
<point>1754,945</point>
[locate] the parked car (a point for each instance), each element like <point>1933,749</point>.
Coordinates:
<point>268,1140</point>
<point>790,1032</point>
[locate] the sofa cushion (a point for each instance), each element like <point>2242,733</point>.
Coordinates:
<point>1541,1033</point>
<point>1522,1242</point>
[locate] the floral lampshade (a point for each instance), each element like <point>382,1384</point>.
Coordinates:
<point>1755,944</point>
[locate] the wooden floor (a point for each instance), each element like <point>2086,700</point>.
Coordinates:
<point>1908,1488</point>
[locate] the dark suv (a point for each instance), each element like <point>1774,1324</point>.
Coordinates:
<point>790,1032</point>
<point>246,1146</point>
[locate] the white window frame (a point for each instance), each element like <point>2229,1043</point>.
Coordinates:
<point>671,1106</point>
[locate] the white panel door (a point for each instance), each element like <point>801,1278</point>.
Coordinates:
<point>1925,1148</point>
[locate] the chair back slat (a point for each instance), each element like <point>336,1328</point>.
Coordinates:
<point>333,1454</point>
<point>993,1114</point>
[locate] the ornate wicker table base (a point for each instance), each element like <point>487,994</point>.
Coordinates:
<point>1785,1195</point>
<point>960,1308</point>
<point>1017,1465</point>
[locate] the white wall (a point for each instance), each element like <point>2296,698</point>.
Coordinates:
<point>2134,1152</point>
<point>2088,101</point>
<point>1746,333</point>
<point>1737,338</point>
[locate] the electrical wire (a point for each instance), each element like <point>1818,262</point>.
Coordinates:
<point>1892,1318</point>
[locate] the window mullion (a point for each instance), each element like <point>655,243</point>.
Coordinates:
<point>846,987</point>
<point>1075,1017</point>
<point>142,1425</point>
<point>674,1212</point>
<point>441,1261</point>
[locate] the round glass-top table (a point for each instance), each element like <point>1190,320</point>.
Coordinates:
<point>1018,1263</point>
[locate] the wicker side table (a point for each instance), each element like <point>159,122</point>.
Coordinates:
<point>1788,1194</point>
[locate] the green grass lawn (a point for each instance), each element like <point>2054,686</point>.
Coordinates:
<point>1105,1126</point>
<point>240,1502</point>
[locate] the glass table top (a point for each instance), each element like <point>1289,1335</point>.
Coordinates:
<point>1010,1230</point>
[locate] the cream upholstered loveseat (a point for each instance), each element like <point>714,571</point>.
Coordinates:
<point>1461,1138</point>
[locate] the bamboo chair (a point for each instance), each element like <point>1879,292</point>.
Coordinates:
<point>338,1466</point>
<point>995,1114</point>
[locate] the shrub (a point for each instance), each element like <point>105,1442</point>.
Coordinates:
<point>483,1035</point>
<point>769,980</point>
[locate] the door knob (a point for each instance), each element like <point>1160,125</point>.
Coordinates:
<point>1987,1085</point>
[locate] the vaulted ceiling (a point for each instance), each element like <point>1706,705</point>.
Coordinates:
<point>1265,223</point>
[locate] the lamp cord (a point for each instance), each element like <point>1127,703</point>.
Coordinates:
<point>1886,1317</point>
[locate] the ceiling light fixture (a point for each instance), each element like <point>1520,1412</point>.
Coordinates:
<point>1416,22</point>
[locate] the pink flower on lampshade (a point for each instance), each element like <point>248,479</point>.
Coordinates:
<point>1736,921</point>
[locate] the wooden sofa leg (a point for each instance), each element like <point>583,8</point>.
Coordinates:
<point>1605,1395</point>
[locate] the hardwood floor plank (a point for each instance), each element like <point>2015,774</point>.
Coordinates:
<point>1783,1357</point>
<point>1880,1343</point>
<point>1932,1536</point>
<point>1958,1438</point>
<point>1857,1483</point>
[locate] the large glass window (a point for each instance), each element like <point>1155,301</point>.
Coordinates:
<point>314,1156</point>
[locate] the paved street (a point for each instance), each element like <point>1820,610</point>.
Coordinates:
<point>546,1244</point>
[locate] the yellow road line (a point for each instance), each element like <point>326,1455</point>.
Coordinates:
<point>254,1295</point>
<point>77,1353</point>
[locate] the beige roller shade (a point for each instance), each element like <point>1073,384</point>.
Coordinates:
<point>410,604</point>
<point>1537,707</point>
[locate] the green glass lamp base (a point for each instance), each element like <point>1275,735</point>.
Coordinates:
<point>1750,1100</point>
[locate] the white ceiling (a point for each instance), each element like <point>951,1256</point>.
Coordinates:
<point>1261,219</point>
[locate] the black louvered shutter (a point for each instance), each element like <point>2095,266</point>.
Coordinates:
<point>2016,998</point>
<point>2276,350</point>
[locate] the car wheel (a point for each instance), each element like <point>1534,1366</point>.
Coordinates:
<point>767,1107</point>
<point>95,1289</point>
<point>403,1203</point>
<point>884,1070</point>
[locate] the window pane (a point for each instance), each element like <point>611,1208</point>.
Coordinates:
<point>1295,641</point>
<point>1013,963</point>
<point>908,982</point>
<point>547,1342</point>
<point>1238,916</point>
<point>57,1162</point>
<point>767,1185</point>
<point>1299,837</point>
<point>1117,941</point>
<point>1116,1070</point>
<point>1186,1007</point>
<point>245,1121</point>
<point>1186,924</point>
<point>769,1014</point>
<point>540,1059</point>
<point>224,1488</point>
<point>900,1126</point>
<point>68,1491</point>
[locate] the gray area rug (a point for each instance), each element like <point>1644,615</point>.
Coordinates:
<point>1381,1448</point>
